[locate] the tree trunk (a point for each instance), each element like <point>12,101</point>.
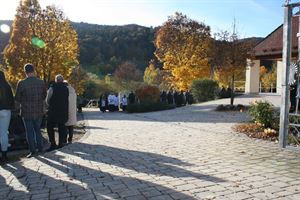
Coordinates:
<point>232,90</point>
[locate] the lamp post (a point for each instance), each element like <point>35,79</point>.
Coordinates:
<point>286,59</point>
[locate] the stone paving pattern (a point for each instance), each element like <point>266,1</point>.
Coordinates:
<point>186,153</point>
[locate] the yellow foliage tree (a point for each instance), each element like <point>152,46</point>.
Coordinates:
<point>152,74</point>
<point>78,79</point>
<point>183,46</point>
<point>43,37</point>
<point>268,78</point>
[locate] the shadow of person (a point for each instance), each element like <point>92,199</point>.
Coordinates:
<point>88,171</point>
<point>50,185</point>
<point>143,162</point>
<point>108,184</point>
<point>6,190</point>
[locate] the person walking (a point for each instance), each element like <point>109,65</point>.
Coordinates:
<point>72,115</point>
<point>58,106</point>
<point>6,105</point>
<point>31,93</point>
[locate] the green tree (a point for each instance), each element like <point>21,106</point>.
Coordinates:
<point>44,38</point>
<point>183,46</point>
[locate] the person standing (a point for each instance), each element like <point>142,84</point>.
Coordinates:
<point>31,93</point>
<point>111,103</point>
<point>6,105</point>
<point>124,103</point>
<point>72,115</point>
<point>58,106</point>
<point>131,98</point>
<point>163,97</point>
<point>170,98</point>
<point>176,97</point>
<point>116,102</point>
<point>103,103</point>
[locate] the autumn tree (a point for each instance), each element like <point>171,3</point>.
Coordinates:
<point>183,46</point>
<point>153,74</point>
<point>127,75</point>
<point>229,58</point>
<point>43,37</point>
<point>268,78</point>
<point>78,78</point>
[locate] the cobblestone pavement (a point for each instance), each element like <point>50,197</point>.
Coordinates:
<point>186,153</point>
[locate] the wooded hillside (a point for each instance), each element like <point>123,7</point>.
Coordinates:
<point>103,48</point>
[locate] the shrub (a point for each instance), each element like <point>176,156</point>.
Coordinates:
<point>262,112</point>
<point>204,89</point>
<point>148,94</point>
<point>148,107</point>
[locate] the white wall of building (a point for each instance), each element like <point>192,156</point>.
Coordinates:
<point>252,77</point>
<point>279,77</point>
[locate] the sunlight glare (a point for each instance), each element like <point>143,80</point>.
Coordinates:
<point>5,28</point>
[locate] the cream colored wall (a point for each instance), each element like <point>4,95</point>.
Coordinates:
<point>279,77</point>
<point>252,76</point>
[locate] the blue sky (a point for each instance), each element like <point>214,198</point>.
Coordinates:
<point>253,17</point>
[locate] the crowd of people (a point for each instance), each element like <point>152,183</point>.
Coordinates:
<point>34,102</point>
<point>178,98</point>
<point>115,102</point>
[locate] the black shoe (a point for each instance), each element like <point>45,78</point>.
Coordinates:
<point>31,154</point>
<point>51,148</point>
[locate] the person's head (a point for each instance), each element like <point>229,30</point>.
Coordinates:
<point>29,69</point>
<point>59,78</point>
<point>2,77</point>
<point>66,82</point>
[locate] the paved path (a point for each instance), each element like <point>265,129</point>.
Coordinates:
<point>186,153</point>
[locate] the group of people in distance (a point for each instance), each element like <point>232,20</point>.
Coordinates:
<point>178,98</point>
<point>111,102</point>
<point>114,102</point>
<point>34,102</point>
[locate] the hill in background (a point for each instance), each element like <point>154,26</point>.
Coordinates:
<point>103,48</point>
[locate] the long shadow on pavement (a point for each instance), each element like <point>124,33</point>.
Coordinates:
<point>39,185</point>
<point>77,173</point>
<point>143,162</point>
<point>104,184</point>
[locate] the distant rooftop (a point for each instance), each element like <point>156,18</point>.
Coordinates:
<point>271,46</point>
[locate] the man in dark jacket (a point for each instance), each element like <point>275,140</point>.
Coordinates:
<point>58,105</point>
<point>170,98</point>
<point>131,98</point>
<point>31,93</point>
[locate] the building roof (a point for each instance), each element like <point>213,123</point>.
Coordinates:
<point>271,46</point>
